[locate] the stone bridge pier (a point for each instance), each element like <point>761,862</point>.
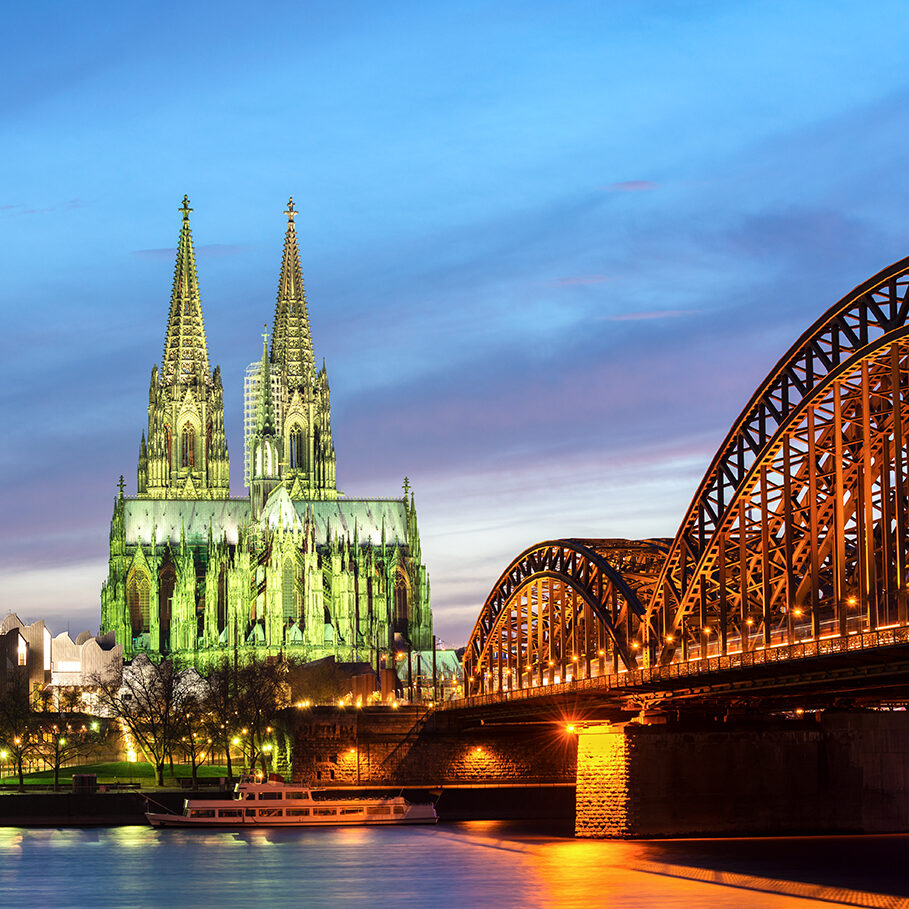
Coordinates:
<point>827,773</point>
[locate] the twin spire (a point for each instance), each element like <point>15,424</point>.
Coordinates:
<point>185,357</point>
<point>291,341</point>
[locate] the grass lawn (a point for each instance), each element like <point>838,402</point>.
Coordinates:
<point>117,772</point>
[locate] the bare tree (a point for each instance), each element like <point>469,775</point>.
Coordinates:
<point>194,741</point>
<point>18,730</point>
<point>221,709</point>
<point>147,700</point>
<point>262,692</point>
<point>60,741</point>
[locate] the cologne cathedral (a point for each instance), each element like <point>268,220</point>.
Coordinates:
<point>297,567</point>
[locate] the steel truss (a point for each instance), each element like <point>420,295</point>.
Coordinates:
<point>563,609</point>
<point>797,532</point>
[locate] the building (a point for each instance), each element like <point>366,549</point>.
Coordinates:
<point>295,567</point>
<point>50,664</point>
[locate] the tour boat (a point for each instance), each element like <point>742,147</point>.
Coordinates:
<point>274,803</point>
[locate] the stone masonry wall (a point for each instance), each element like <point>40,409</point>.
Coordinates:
<point>841,773</point>
<point>406,747</point>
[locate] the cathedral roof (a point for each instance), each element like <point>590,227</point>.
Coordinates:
<point>185,350</point>
<point>173,517</point>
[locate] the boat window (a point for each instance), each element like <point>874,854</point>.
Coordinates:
<point>324,811</point>
<point>378,810</point>
<point>296,795</point>
<point>269,795</point>
<point>250,796</point>
<point>230,812</point>
<point>250,812</point>
<point>399,809</point>
<point>351,811</point>
<point>297,812</point>
<point>202,812</point>
<point>270,812</point>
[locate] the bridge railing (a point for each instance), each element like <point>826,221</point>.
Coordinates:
<point>698,666</point>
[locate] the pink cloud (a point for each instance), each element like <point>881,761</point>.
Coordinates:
<point>582,279</point>
<point>631,186</point>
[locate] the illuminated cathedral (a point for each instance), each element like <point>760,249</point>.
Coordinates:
<point>296,567</point>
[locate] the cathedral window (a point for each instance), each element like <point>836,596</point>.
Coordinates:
<point>287,591</point>
<point>401,604</point>
<point>208,434</point>
<point>169,445</point>
<point>188,447</point>
<point>222,599</point>
<point>137,596</point>
<point>167,581</point>
<point>297,447</point>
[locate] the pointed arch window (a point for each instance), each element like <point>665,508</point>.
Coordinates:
<point>208,435</point>
<point>402,604</point>
<point>169,445</point>
<point>297,447</point>
<point>288,594</point>
<point>188,447</point>
<point>137,596</point>
<point>167,581</point>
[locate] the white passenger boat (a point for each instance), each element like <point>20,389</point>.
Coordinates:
<point>274,803</point>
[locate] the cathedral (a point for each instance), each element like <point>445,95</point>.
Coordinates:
<point>297,568</point>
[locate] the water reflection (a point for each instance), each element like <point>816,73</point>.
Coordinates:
<point>478,864</point>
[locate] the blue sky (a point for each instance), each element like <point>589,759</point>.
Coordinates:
<point>549,248</point>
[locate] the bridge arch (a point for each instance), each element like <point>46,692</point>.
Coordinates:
<point>798,528</point>
<point>562,609</point>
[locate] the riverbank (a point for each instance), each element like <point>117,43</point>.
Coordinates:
<point>102,809</point>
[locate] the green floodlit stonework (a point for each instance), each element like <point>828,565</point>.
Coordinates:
<point>296,568</point>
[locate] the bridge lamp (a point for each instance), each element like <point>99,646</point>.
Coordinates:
<point>749,622</point>
<point>570,729</point>
<point>574,659</point>
<point>635,645</point>
<point>95,726</point>
<point>601,653</point>
<point>552,662</point>
<point>796,612</point>
<point>706,630</point>
<point>669,638</point>
<point>851,601</point>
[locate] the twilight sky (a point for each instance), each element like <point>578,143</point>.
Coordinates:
<point>549,248</point>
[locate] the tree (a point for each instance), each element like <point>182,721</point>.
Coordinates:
<point>194,741</point>
<point>18,732</point>
<point>59,742</point>
<point>147,700</point>
<point>221,709</point>
<point>261,693</point>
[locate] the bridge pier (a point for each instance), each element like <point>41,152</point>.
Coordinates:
<point>833,773</point>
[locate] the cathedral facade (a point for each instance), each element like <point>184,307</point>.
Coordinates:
<point>296,568</point>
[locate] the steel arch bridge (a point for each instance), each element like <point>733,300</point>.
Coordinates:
<point>797,532</point>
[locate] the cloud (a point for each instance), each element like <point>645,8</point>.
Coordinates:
<point>205,251</point>
<point>581,279</point>
<point>66,206</point>
<point>643,316</point>
<point>630,186</point>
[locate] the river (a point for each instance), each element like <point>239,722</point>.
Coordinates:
<point>459,865</point>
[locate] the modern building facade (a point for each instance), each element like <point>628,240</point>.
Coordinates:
<point>295,567</point>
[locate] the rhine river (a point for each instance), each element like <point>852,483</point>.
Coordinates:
<point>472,864</point>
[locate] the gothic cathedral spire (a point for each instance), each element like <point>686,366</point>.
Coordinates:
<point>185,352</point>
<point>302,408</point>
<point>185,455</point>
<point>291,341</point>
